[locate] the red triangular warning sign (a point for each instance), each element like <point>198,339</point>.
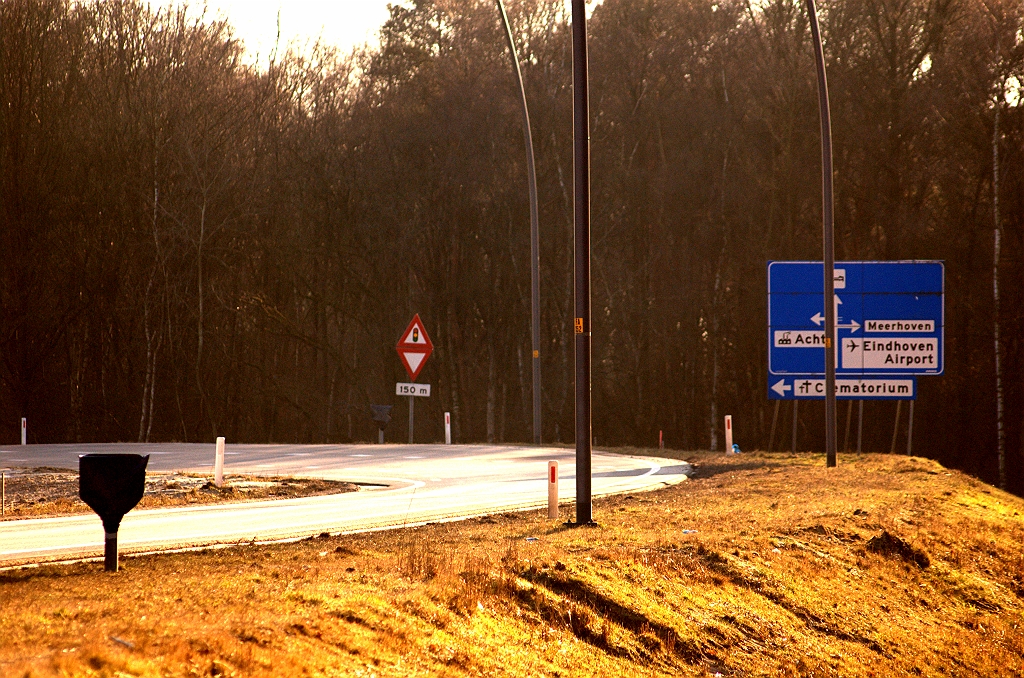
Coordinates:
<point>414,347</point>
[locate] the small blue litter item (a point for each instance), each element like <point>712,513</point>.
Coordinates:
<point>689,531</point>
<point>735,448</point>
<point>532,539</point>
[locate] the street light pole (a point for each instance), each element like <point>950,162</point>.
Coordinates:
<point>531,175</point>
<point>581,222</point>
<point>828,242</point>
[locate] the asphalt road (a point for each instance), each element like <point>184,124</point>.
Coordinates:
<point>402,485</point>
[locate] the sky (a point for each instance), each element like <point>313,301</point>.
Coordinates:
<point>343,23</point>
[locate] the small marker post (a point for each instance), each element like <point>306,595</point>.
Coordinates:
<point>24,431</point>
<point>728,433</point>
<point>661,439</point>
<point>218,464</point>
<point>447,428</point>
<point>553,489</point>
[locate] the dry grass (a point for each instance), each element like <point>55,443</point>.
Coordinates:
<point>763,565</point>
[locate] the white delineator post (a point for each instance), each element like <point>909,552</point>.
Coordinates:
<point>218,464</point>
<point>661,440</point>
<point>447,428</point>
<point>552,489</point>
<point>728,434</point>
<point>24,431</point>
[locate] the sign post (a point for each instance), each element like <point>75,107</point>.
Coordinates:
<point>414,348</point>
<point>581,261</point>
<point>381,415</point>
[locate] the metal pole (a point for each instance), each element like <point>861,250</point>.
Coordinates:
<point>910,430</point>
<point>531,176</point>
<point>860,424</point>
<point>411,401</point>
<point>795,403</point>
<point>581,220</point>
<point>896,427</point>
<point>828,244</point>
<point>110,551</point>
<point>849,416</point>
<point>775,420</point>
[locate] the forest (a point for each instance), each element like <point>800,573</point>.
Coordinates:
<point>201,242</point>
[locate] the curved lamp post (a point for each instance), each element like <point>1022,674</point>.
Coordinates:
<point>531,173</point>
<point>828,242</point>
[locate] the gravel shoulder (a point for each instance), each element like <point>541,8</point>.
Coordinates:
<point>50,492</point>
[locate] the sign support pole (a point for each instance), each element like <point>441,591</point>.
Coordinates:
<point>896,427</point>
<point>795,403</point>
<point>849,416</point>
<point>910,430</point>
<point>828,244</point>
<point>581,222</point>
<point>860,424</point>
<point>412,400</point>
<point>775,420</point>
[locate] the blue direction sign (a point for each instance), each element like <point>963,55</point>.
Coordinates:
<point>812,387</point>
<point>889,318</point>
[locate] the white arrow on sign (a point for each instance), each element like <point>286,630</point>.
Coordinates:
<point>853,326</point>
<point>781,387</point>
<point>818,318</point>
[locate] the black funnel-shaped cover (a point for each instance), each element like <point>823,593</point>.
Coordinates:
<point>112,484</point>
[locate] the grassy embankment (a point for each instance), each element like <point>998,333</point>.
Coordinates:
<point>761,565</point>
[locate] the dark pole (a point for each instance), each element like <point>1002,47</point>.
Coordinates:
<point>531,176</point>
<point>110,551</point>
<point>828,242</point>
<point>910,430</point>
<point>581,219</point>
<point>411,412</point>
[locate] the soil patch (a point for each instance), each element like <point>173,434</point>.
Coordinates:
<point>46,491</point>
<point>888,544</point>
